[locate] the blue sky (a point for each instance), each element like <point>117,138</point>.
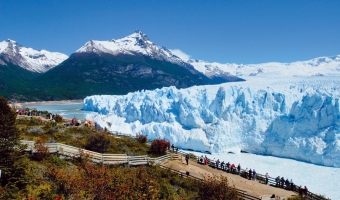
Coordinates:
<point>220,31</point>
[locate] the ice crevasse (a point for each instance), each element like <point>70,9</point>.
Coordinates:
<point>296,118</point>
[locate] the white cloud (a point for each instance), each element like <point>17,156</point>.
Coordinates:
<point>180,54</point>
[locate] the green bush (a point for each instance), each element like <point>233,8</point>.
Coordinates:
<point>55,160</point>
<point>98,142</point>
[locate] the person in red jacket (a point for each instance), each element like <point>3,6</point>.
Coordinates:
<point>232,168</point>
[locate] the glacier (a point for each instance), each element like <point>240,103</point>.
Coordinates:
<point>293,117</point>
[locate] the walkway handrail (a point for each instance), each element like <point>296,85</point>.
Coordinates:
<point>68,150</point>
<point>72,151</point>
<point>96,157</point>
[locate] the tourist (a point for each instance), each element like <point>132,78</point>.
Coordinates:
<point>201,159</point>
<point>232,168</point>
<point>254,174</point>
<point>282,181</point>
<point>292,186</point>
<point>238,169</point>
<point>176,150</point>
<point>217,163</point>
<point>250,173</point>
<point>277,180</point>
<point>187,158</point>
<point>206,160</point>
<point>287,183</point>
<point>305,190</point>
<point>301,191</point>
<point>228,166</point>
<point>222,165</point>
<point>173,148</point>
<point>267,177</point>
<point>73,121</point>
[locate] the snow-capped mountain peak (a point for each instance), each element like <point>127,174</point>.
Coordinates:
<point>28,58</point>
<point>322,66</point>
<point>134,44</point>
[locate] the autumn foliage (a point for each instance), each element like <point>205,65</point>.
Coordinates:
<point>216,187</point>
<point>159,146</point>
<point>104,182</point>
<point>41,151</point>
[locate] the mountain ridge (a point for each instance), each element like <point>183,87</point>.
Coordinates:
<point>28,58</point>
<point>139,43</point>
<point>130,64</point>
<point>321,66</point>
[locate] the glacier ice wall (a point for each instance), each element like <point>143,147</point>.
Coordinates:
<point>297,118</point>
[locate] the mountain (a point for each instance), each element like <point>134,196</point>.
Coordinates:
<point>120,66</point>
<point>135,44</point>
<point>138,44</point>
<point>28,58</point>
<point>85,74</point>
<point>322,66</point>
<point>294,118</point>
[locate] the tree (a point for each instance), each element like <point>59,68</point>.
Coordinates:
<point>42,151</point>
<point>159,146</point>
<point>9,140</point>
<point>12,161</point>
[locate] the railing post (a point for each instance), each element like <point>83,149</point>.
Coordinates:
<point>58,150</point>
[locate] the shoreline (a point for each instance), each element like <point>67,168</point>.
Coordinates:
<point>35,103</point>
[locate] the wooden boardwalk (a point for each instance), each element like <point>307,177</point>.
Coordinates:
<point>111,159</point>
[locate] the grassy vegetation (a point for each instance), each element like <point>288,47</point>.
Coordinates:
<point>82,137</point>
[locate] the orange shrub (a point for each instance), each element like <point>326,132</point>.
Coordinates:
<point>159,146</point>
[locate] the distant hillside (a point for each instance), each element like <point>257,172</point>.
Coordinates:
<point>15,81</point>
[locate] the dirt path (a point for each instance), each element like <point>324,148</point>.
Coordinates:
<point>252,187</point>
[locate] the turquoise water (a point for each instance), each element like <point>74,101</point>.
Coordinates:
<point>66,110</point>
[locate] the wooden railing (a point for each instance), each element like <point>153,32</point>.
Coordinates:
<point>70,151</point>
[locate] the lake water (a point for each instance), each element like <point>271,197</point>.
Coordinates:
<point>68,110</point>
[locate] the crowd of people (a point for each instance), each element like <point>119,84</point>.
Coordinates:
<point>51,116</point>
<point>250,174</point>
<point>229,167</point>
<point>75,122</point>
<point>284,183</point>
<point>28,112</point>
